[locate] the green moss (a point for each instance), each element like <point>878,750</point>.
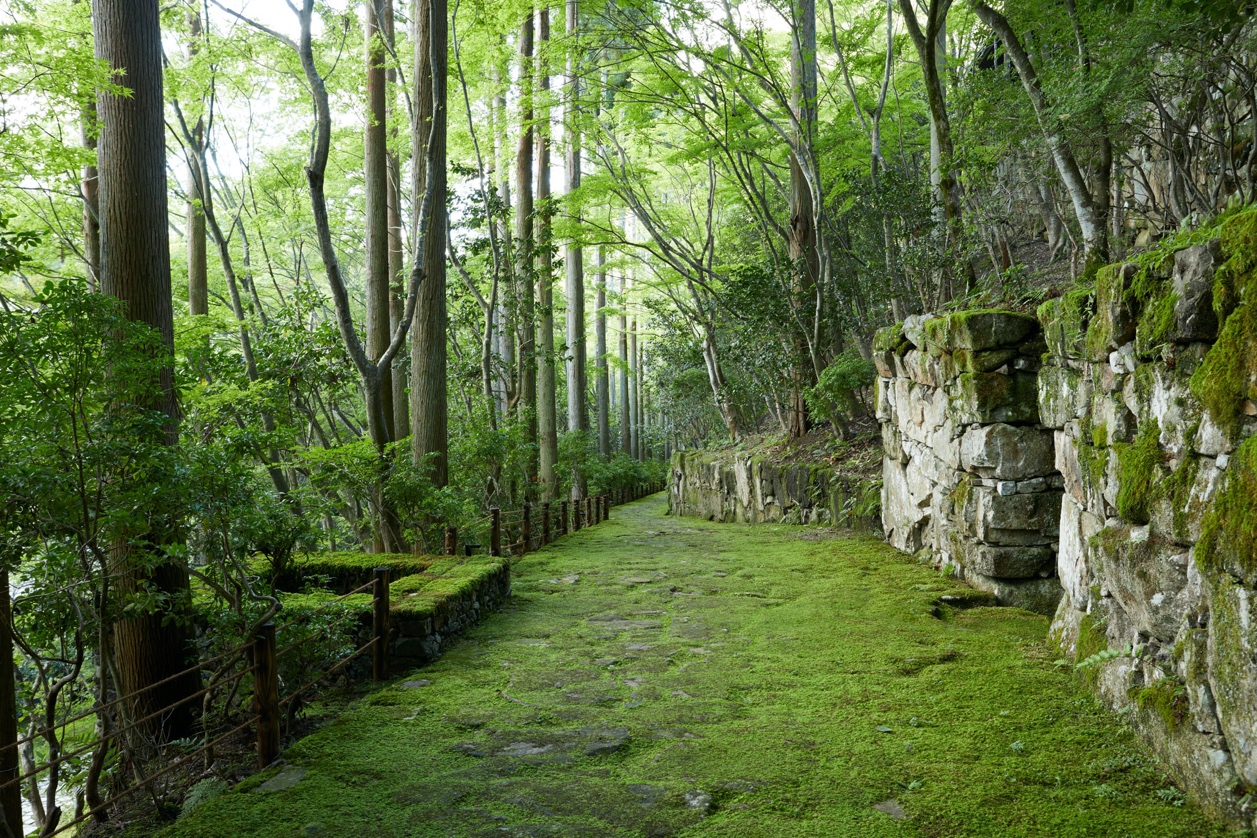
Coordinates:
<point>1091,640</point>
<point>345,571</point>
<point>1099,435</point>
<point>1228,374</point>
<point>1065,320</point>
<point>1177,489</point>
<point>889,339</point>
<point>1136,466</point>
<point>1228,538</point>
<point>762,681</point>
<point>1167,698</point>
<point>960,495</point>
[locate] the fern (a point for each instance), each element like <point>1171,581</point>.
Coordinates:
<point>1109,654</point>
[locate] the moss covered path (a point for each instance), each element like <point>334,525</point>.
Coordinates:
<point>661,676</point>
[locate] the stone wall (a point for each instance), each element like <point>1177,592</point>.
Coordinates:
<point>734,488</point>
<point>1149,386</point>
<point>1147,409</point>
<point>426,621</point>
<point>968,474</point>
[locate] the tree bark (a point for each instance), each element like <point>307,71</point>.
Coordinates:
<point>198,264</point>
<point>135,267</point>
<point>524,249</point>
<point>428,377</point>
<point>577,414</point>
<point>801,234</point>
<point>626,421</point>
<point>635,391</point>
<point>375,183</point>
<point>11,795</point>
<point>396,251</point>
<point>547,409</point>
<point>602,397</point>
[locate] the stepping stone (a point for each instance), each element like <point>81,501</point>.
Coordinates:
<point>698,800</point>
<point>288,777</point>
<point>414,685</point>
<point>649,796</point>
<point>892,808</point>
<point>525,749</point>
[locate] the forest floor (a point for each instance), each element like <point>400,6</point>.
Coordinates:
<point>664,676</point>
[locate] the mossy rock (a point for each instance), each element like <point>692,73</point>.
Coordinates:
<point>1228,539</point>
<point>980,330</point>
<point>988,397</point>
<point>1137,465</point>
<point>890,339</point>
<point>1065,319</point>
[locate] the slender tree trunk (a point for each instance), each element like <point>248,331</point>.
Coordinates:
<point>577,414</point>
<point>626,421</point>
<point>505,311</point>
<point>547,408</point>
<point>635,393</point>
<point>396,251</point>
<point>603,394</point>
<point>428,378</point>
<point>88,189</point>
<point>150,646</point>
<point>524,249</point>
<point>11,795</point>
<point>375,182</point>
<point>198,265</point>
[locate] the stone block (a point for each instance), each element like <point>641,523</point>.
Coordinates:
<point>1007,452</point>
<point>1114,322</point>
<point>1064,395</point>
<point>987,397</point>
<point>1194,317</point>
<point>1042,596</point>
<point>1073,559</point>
<point>1232,650</point>
<point>1065,320</point>
<point>981,330</point>
<point>1017,520</point>
<point>1146,577</point>
<point>1010,562</point>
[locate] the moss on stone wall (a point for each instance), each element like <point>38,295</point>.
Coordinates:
<point>1136,466</point>
<point>1228,540</point>
<point>1167,698</point>
<point>1228,375</point>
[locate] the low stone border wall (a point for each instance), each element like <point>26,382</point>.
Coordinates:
<point>425,621</point>
<point>753,490</point>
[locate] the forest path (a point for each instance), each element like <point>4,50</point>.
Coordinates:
<point>660,676</point>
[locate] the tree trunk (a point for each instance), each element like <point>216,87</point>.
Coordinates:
<point>577,415</point>
<point>11,795</point>
<point>135,267</point>
<point>602,398</point>
<point>198,265</point>
<point>524,250</point>
<point>375,183</point>
<point>547,408</point>
<point>802,230</point>
<point>428,378</point>
<point>626,421</point>
<point>91,203</point>
<point>635,390</point>
<point>396,252</point>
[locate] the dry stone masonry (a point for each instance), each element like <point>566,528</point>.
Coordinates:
<point>1146,416</point>
<point>969,476</point>
<point>734,488</point>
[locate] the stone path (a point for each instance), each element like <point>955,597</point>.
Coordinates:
<point>656,676</point>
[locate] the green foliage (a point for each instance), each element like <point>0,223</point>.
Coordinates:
<point>843,386</point>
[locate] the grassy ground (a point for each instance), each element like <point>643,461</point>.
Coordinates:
<point>658,676</point>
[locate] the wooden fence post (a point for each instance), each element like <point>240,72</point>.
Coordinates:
<point>379,625</point>
<point>545,523</point>
<point>11,796</point>
<point>266,694</point>
<point>525,529</point>
<point>589,511</point>
<point>563,518</point>
<point>495,532</point>
<point>451,541</point>
<point>576,516</point>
